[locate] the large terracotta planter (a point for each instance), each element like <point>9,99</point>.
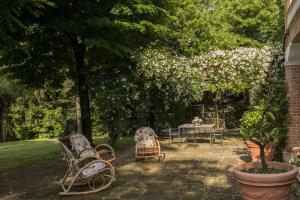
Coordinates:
<point>255,152</point>
<point>265,186</point>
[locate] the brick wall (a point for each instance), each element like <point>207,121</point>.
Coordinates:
<point>292,74</point>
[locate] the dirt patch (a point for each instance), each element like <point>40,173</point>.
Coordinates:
<point>186,173</point>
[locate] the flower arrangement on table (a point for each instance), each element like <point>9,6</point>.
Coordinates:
<point>197,121</point>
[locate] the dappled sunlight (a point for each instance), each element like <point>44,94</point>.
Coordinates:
<point>220,181</point>
<point>186,173</point>
<point>140,168</point>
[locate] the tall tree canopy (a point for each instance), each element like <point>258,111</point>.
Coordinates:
<point>16,15</point>
<point>95,45</point>
<point>204,25</point>
<point>74,38</point>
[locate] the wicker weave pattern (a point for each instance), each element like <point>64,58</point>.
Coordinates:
<point>147,145</point>
<point>92,172</point>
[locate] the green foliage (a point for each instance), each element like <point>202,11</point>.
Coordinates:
<point>205,25</point>
<point>161,87</point>
<point>274,112</point>
<point>180,80</point>
<point>267,118</point>
<point>31,119</point>
<point>95,46</point>
<point>42,113</point>
<point>258,125</point>
<point>248,121</point>
<point>9,90</point>
<point>15,15</point>
<point>105,29</point>
<point>256,22</point>
<point>76,39</point>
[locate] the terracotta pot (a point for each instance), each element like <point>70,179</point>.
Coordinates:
<point>265,186</point>
<point>255,152</point>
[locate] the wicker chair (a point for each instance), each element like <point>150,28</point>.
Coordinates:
<point>83,148</point>
<point>147,144</point>
<point>91,173</point>
<point>218,132</point>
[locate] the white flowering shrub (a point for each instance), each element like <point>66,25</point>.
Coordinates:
<point>237,70</point>
<point>162,86</point>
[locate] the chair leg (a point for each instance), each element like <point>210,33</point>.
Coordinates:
<point>170,139</point>
<point>221,139</point>
<point>107,179</point>
<point>210,139</point>
<point>162,156</point>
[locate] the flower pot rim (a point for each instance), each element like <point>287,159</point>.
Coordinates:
<point>265,186</point>
<point>249,143</point>
<point>265,178</point>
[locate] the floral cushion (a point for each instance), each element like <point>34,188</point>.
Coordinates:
<point>92,169</point>
<point>145,137</point>
<point>79,143</point>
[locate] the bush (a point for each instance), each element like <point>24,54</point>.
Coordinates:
<point>34,120</point>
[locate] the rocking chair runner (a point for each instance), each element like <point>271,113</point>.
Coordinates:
<point>147,146</point>
<point>83,148</point>
<point>93,172</point>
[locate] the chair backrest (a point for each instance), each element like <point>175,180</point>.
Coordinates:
<point>79,142</point>
<point>66,147</point>
<point>220,124</point>
<point>145,137</point>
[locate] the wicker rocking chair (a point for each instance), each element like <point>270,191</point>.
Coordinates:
<point>147,144</point>
<point>91,173</point>
<point>83,148</point>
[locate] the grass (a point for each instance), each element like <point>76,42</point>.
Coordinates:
<point>18,154</point>
<point>23,153</point>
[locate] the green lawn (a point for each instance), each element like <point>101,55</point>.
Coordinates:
<point>28,152</point>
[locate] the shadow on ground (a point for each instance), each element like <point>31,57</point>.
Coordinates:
<point>186,173</point>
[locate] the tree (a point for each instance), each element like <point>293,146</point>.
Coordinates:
<point>256,22</point>
<point>6,97</point>
<point>75,38</point>
<point>15,16</point>
<point>205,25</point>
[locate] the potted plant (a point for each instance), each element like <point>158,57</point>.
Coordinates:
<point>298,165</point>
<point>296,155</point>
<point>249,120</point>
<point>264,180</point>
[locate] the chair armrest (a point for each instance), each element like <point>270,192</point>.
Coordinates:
<point>104,146</point>
<point>88,149</point>
<point>158,144</point>
<point>108,149</point>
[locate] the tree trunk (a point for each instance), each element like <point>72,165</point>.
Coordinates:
<point>151,109</point>
<point>262,157</point>
<point>1,126</point>
<point>78,115</point>
<point>83,89</point>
